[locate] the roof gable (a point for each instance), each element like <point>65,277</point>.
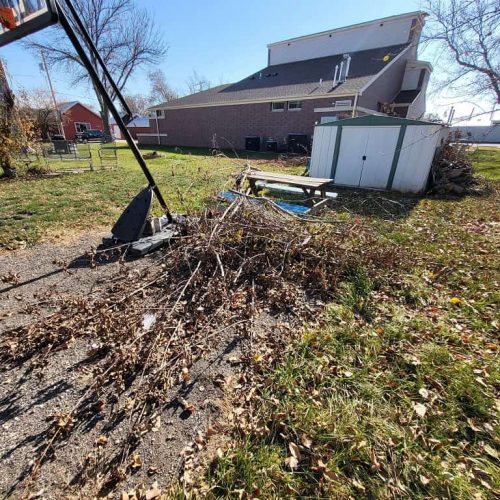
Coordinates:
<point>64,107</point>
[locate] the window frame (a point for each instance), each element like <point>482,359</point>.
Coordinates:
<point>279,110</point>
<point>82,123</point>
<point>295,109</point>
<point>159,114</point>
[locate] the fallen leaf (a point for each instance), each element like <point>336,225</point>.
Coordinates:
<point>257,358</point>
<point>154,492</point>
<point>456,300</point>
<point>186,377</point>
<point>156,423</point>
<point>136,461</point>
<point>292,462</point>
<point>294,450</point>
<point>357,484</point>
<point>424,480</point>
<point>491,451</point>
<point>420,410</point>
<point>101,440</point>
<point>306,441</point>
<point>424,392</point>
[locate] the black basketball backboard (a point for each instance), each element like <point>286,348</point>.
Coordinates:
<point>19,18</point>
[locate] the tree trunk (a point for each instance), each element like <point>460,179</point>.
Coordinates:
<point>105,119</point>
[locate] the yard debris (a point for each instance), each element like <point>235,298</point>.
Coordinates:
<point>152,155</point>
<point>452,173</point>
<point>230,269</point>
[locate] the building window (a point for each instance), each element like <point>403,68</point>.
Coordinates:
<point>278,106</point>
<point>294,105</point>
<point>346,103</point>
<point>160,113</point>
<point>82,127</point>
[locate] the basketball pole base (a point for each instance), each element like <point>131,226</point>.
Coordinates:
<point>96,80</point>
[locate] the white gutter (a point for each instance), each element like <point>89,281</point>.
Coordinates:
<point>253,101</point>
<point>355,104</point>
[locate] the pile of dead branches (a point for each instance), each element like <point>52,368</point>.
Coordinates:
<point>452,173</point>
<point>150,327</point>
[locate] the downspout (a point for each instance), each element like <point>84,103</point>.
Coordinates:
<point>157,129</point>
<point>355,104</point>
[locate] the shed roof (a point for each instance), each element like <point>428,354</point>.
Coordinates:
<point>295,80</point>
<point>375,120</point>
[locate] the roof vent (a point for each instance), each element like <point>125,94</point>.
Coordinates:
<point>344,68</point>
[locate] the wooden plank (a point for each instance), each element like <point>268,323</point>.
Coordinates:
<point>272,175</point>
<point>318,206</point>
<point>289,179</point>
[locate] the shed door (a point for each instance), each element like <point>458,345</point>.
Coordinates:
<point>379,153</point>
<point>365,156</point>
<point>352,150</point>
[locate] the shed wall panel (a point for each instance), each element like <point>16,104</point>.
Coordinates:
<point>322,152</point>
<point>415,158</point>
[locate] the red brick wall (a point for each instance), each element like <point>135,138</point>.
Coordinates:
<point>231,124</point>
<point>138,130</point>
<point>79,113</point>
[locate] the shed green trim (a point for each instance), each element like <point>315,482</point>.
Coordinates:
<point>395,159</point>
<point>374,120</point>
<point>336,153</point>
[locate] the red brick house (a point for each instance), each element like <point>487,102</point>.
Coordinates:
<point>367,68</point>
<point>77,118</point>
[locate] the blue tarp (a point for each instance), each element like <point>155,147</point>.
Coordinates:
<point>289,207</point>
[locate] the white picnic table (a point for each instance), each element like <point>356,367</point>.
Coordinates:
<point>309,185</point>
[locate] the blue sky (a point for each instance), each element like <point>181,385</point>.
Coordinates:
<point>224,40</point>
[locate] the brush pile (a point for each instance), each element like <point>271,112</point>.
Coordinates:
<point>150,327</point>
<point>452,173</point>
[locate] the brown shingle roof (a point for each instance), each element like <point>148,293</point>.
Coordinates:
<point>295,80</point>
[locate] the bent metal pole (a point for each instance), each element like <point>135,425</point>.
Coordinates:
<point>63,19</point>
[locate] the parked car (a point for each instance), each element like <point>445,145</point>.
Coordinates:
<point>92,136</point>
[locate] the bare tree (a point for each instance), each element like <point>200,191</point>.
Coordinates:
<point>197,83</point>
<point>125,36</point>
<point>138,103</point>
<point>468,33</point>
<point>40,109</point>
<point>160,89</point>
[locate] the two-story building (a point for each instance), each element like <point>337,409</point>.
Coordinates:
<point>367,68</point>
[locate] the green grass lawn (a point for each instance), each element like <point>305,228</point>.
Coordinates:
<point>39,208</point>
<point>486,161</point>
<point>392,394</point>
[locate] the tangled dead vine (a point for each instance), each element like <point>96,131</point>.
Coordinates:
<point>151,326</point>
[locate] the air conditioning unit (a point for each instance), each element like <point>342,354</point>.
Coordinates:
<point>346,103</point>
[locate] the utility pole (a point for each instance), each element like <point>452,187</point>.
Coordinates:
<point>54,102</point>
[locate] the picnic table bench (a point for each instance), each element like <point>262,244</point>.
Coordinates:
<point>308,184</point>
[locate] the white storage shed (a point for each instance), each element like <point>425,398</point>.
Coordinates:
<point>376,152</point>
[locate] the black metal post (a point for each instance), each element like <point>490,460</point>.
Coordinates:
<point>109,102</point>
<point>92,48</point>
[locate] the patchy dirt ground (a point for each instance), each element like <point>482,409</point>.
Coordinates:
<point>32,281</point>
<point>89,461</point>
